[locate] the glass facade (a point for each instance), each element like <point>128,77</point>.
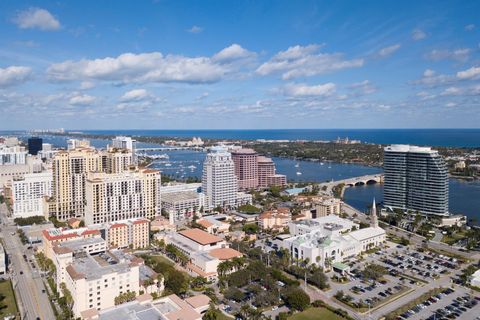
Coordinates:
<point>416,179</point>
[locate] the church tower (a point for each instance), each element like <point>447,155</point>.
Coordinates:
<point>373,216</point>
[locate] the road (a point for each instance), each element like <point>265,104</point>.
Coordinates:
<point>34,304</point>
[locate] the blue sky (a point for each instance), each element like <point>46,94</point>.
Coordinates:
<point>239,64</point>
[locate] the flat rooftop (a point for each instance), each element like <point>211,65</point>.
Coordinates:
<point>179,196</point>
<point>94,267</point>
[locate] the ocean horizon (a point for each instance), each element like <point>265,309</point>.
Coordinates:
<point>423,137</point>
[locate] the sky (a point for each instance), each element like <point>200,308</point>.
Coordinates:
<point>239,64</point>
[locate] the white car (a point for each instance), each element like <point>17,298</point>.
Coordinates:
<point>274,308</point>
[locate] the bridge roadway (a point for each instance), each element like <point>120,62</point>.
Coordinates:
<point>171,148</point>
<point>350,182</point>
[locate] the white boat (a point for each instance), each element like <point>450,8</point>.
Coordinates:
<point>192,167</point>
<point>298,173</point>
<point>168,164</point>
<point>297,165</point>
<point>321,163</point>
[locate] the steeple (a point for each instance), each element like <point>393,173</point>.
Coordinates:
<point>373,216</point>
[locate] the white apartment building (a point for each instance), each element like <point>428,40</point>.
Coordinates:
<point>183,204</point>
<point>29,192</point>
<point>3,261</point>
<point>115,197</point>
<point>219,182</point>
<point>127,143</point>
<point>13,155</point>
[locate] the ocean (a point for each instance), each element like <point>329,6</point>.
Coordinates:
<point>423,137</point>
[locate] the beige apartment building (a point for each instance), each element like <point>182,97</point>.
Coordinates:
<point>115,197</point>
<point>327,207</point>
<point>275,219</point>
<point>128,233</point>
<point>70,170</point>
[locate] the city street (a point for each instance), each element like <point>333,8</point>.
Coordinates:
<point>28,285</point>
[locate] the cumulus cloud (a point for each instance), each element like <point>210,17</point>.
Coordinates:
<point>305,61</point>
<point>385,52</point>
<point>81,100</point>
<point>151,67</point>
<point>135,95</point>
<point>472,73</point>
<point>418,34</point>
<point>431,79</point>
<point>195,29</point>
<point>303,90</point>
<point>14,75</point>
<point>231,53</point>
<point>36,18</point>
<point>460,55</point>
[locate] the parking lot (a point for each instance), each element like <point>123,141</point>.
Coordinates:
<point>455,303</point>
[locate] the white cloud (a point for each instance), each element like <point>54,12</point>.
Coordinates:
<point>184,110</point>
<point>470,27</point>
<point>36,18</point>
<point>385,52</point>
<point>365,86</point>
<point>85,85</point>
<point>82,99</point>
<point>305,61</point>
<point>14,75</point>
<point>460,55</point>
<point>195,29</point>
<point>471,73</point>
<point>303,90</point>
<point>135,95</point>
<point>428,73</point>
<point>231,53</point>
<point>151,67</point>
<point>451,104</point>
<point>451,91</point>
<point>418,34</point>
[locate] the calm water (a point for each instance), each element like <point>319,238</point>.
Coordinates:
<point>429,137</point>
<point>464,196</point>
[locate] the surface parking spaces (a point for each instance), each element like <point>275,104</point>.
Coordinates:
<point>456,303</point>
<point>424,266</point>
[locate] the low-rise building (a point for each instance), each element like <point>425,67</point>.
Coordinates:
<point>215,224</point>
<point>330,239</point>
<point>133,233</point>
<point>144,307</point>
<point>275,219</point>
<point>205,251</point>
<point>475,279</point>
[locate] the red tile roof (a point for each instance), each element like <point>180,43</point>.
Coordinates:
<point>200,236</point>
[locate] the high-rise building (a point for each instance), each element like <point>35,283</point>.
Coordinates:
<point>219,182</point>
<point>416,179</point>
<point>29,192</point>
<point>246,168</point>
<point>126,143</point>
<point>267,174</point>
<point>34,145</point>
<point>12,155</point>
<point>70,169</point>
<point>115,197</point>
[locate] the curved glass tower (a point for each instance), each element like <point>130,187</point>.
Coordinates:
<point>416,179</point>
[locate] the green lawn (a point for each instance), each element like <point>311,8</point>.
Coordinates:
<point>161,259</point>
<point>8,305</point>
<point>315,313</point>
